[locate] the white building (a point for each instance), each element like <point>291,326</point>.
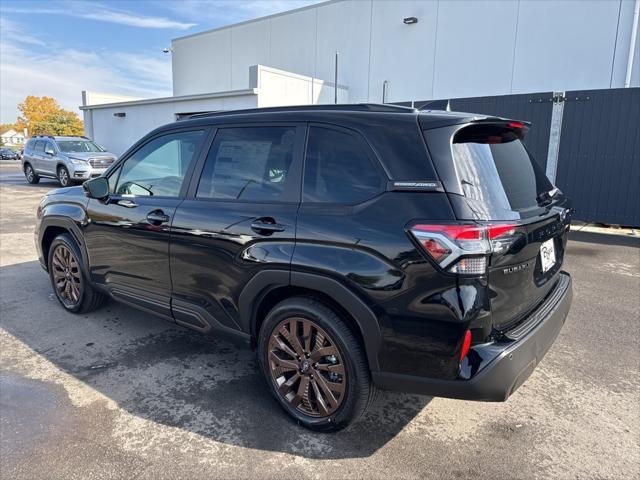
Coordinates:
<point>11,137</point>
<point>410,50</point>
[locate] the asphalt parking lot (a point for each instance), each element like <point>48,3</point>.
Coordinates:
<point>121,394</point>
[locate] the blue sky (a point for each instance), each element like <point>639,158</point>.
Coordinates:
<point>60,47</point>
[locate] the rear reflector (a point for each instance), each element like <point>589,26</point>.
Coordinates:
<point>465,345</point>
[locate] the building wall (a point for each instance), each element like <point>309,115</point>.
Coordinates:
<point>117,134</point>
<point>457,48</point>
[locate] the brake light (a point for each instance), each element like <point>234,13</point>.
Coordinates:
<point>465,345</point>
<point>463,249</point>
<point>515,124</point>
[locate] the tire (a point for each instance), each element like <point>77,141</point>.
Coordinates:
<point>81,296</point>
<point>30,174</point>
<point>349,366</point>
<point>63,176</point>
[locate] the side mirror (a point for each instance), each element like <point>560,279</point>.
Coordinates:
<point>97,188</point>
<point>50,152</point>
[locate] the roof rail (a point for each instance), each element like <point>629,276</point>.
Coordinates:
<point>42,136</point>
<point>349,107</point>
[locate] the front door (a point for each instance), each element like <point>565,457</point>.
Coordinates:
<point>127,236</point>
<point>238,220</point>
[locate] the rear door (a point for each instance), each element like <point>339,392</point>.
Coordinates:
<point>494,180</point>
<point>238,220</point>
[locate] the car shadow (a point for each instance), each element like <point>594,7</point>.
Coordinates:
<point>168,375</point>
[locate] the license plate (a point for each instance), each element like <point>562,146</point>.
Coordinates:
<point>547,255</point>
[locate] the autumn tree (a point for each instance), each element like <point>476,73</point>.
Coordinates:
<point>5,127</point>
<point>43,116</point>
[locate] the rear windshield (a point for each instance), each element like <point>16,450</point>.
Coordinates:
<point>67,146</point>
<point>497,173</point>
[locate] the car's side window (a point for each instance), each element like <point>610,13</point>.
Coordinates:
<point>158,168</point>
<point>248,163</point>
<point>39,146</point>
<point>49,148</point>
<point>113,179</point>
<point>338,168</point>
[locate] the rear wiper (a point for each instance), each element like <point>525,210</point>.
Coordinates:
<point>545,198</point>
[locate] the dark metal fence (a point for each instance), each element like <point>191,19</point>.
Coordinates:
<point>598,160</point>
<point>599,157</point>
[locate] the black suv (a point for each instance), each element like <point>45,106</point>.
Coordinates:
<point>354,246</point>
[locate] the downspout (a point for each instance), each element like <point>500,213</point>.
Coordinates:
<point>632,45</point>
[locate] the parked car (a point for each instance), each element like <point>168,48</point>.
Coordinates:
<point>8,154</point>
<point>354,247</point>
<point>69,159</point>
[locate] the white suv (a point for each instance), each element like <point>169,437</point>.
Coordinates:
<point>69,159</point>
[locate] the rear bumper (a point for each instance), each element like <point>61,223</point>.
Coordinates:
<point>511,362</point>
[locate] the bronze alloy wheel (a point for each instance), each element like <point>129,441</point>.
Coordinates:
<point>307,367</point>
<point>67,278</point>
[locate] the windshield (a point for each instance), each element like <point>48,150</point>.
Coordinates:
<point>68,146</point>
<point>497,173</point>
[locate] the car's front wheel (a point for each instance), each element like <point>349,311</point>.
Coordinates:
<point>30,174</point>
<point>63,176</point>
<point>70,284</point>
<point>314,364</point>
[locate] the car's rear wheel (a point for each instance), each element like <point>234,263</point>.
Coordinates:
<point>63,176</point>
<point>70,284</point>
<point>30,174</point>
<point>314,364</point>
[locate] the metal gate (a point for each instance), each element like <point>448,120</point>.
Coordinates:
<point>599,157</point>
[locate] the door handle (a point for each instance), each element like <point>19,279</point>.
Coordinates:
<point>157,217</point>
<point>127,203</point>
<point>266,226</point>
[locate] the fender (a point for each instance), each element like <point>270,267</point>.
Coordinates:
<point>267,280</point>
<point>362,314</point>
<point>70,217</point>
<point>253,293</point>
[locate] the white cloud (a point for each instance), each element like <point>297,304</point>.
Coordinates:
<point>62,73</point>
<point>102,13</point>
<point>223,12</point>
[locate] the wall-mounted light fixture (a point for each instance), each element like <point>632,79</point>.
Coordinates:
<point>410,20</point>
<point>120,114</point>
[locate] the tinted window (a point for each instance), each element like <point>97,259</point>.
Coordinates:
<point>113,179</point>
<point>30,145</point>
<point>39,146</point>
<point>248,164</point>
<point>159,167</point>
<point>338,169</point>
<point>496,171</point>
<point>79,146</point>
<point>48,147</point>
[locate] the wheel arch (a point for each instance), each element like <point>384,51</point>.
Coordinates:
<point>268,288</point>
<point>51,227</point>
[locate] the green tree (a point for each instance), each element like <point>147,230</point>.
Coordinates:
<point>43,115</point>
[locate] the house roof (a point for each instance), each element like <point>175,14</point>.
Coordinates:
<point>11,133</point>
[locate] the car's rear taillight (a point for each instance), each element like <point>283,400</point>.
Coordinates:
<point>464,249</point>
